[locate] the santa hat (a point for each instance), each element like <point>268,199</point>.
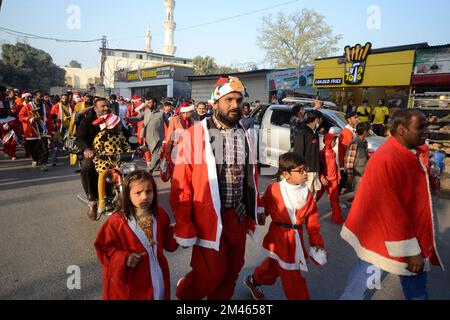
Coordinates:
<point>185,107</point>
<point>225,86</point>
<point>77,97</point>
<point>139,106</point>
<point>108,121</point>
<point>26,95</point>
<point>136,98</point>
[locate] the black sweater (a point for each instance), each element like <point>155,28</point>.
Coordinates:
<point>306,143</point>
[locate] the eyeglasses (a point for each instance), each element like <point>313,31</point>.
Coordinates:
<point>301,170</point>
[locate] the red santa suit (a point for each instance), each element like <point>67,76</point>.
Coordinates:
<point>131,111</point>
<point>9,136</point>
<point>31,128</point>
<point>391,216</point>
<point>117,240</point>
<point>332,174</point>
<point>291,206</point>
<point>346,136</point>
<point>216,233</point>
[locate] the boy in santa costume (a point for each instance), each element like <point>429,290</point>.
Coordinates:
<point>291,206</point>
<point>136,102</point>
<point>181,121</point>
<point>331,176</point>
<point>131,243</point>
<point>391,223</point>
<point>214,196</point>
<point>345,138</point>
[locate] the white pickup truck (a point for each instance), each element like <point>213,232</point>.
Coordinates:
<point>272,131</point>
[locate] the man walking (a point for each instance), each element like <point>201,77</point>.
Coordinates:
<point>214,196</point>
<point>390,224</point>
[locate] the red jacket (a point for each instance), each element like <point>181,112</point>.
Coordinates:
<point>330,170</point>
<point>284,244</point>
<point>114,244</point>
<point>30,129</point>
<point>194,196</point>
<point>345,138</point>
<point>391,216</point>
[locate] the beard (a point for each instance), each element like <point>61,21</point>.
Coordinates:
<point>230,118</point>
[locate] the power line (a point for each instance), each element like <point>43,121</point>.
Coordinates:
<point>216,21</point>
<point>33,36</point>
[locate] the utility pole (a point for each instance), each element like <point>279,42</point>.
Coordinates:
<point>103,60</point>
<point>1,4</point>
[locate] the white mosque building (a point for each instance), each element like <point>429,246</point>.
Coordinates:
<point>146,73</point>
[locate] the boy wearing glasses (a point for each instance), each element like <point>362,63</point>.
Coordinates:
<point>291,206</point>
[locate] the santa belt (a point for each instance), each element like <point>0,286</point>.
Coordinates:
<point>288,225</point>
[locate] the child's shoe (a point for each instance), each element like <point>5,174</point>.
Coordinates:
<point>256,291</point>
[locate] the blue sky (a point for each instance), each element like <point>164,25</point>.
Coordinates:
<point>229,42</point>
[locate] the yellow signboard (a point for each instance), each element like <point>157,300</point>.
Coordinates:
<point>381,70</point>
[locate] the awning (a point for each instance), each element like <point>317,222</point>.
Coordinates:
<point>431,79</point>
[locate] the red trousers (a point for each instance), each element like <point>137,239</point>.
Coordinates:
<point>9,148</point>
<point>294,285</point>
<point>214,274</point>
<point>333,194</point>
<point>147,154</point>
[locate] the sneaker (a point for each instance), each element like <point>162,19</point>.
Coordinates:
<point>13,158</point>
<point>54,164</point>
<point>92,210</point>
<point>34,164</point>
<point>255,290</point>
<point>44,168</point>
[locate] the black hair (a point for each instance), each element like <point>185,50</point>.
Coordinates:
<point>382,101</point>
<point>246,104</point>
<point>312,115</point>
<point>350,115</point>
<point>289,161</point>
<point>403,118</point>
<point>113,97</point>
<point>36,92</point>
<point>362,127</point>
<point>297,107</point>
<point>128,208</point>
<point>365,101</point>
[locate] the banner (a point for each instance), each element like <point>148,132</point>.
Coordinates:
<point>432,61</point>
<point>292,80</point>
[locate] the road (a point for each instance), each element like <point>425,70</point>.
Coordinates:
<point>45,231</point>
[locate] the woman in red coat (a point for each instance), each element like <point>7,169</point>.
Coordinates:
<point>130,244</point>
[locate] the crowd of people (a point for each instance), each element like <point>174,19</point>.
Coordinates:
<point>215,196</point>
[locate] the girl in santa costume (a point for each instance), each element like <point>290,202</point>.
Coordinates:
<point>181,121</point>
<point>291,206</point>
<point>9,136</point>
<point>130,244</point>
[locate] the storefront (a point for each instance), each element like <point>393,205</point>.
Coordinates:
<point>169,81</point>
<point>363,73</point>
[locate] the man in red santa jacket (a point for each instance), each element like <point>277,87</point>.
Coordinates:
<point>214,196</point>
<point>390,224</point>
<point>38,128</point>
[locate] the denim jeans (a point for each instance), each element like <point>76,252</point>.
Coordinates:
<point>365,278</point>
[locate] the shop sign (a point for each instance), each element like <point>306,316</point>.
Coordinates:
<point>355,63</point>
<point>329,81</point>
<point>167,72</point>
<point>432,61</point>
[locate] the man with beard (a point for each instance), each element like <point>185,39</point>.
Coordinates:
<point>390,224</point>
<point>61,113</point>
<point>214,196</point>
<point>86,133</point>
<point>38,128</point>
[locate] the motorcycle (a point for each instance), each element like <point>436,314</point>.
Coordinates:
<point>111,186</point>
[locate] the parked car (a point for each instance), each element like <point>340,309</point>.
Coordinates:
<point>308,102</point>
<point>272,131</point>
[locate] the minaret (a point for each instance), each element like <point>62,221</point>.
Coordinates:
<point>148,41</point>
<point>169,28</point>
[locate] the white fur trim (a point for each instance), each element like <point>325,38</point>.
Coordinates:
<point>213,187</point>
<point>187,109</point>
<point>285,265</point>
<point>404,248</point>
<point>185,242</point>
<point>389,265</point>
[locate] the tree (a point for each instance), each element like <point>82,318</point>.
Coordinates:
<point>207,65</point>
<point>296,40</point>
<point>75,64</point>
<point>29,68</point>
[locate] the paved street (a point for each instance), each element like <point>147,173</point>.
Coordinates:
<point>44,230</point>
